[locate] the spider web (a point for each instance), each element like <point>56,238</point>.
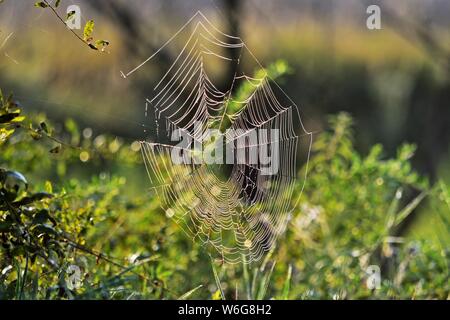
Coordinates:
<point>239,216</point>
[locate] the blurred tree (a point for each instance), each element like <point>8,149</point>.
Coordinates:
<point>428,114</point>
<point>233,12</point>
<point>427,111</point>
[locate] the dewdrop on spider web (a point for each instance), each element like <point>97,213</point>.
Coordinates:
<point>236,211</point>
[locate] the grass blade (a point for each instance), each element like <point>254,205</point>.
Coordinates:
<point>410,208</point>
<point>189,293</point>
<point>247,282</point>
<point>216,277</point>
<point>287,284</point>
<point>254,280</point>
<point>264,285</point>
<point>19,279</point>
<point>393,207</point>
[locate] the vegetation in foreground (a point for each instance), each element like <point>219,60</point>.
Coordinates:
<point>126,248</point>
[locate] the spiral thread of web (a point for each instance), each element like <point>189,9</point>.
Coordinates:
<point>238,218</point>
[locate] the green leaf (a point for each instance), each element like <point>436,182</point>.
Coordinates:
<point>18,119</point>
<point>41,217</point>
<point>56,149</point>
<point>216,295</point>
<point>88,30</point>
<point>57,3</point>
<point>102,43</point>
<point>41,229</point>
<point>41,4</point>
<point>71,126</point>
<point>44,127</point>
<point>5,134</point>
<point>33,198</point>
<point>7,118</point>
<point>35,135</point>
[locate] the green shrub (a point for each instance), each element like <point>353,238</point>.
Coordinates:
<point>126,248</point>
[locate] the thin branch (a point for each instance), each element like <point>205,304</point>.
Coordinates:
<point>64,22</point>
